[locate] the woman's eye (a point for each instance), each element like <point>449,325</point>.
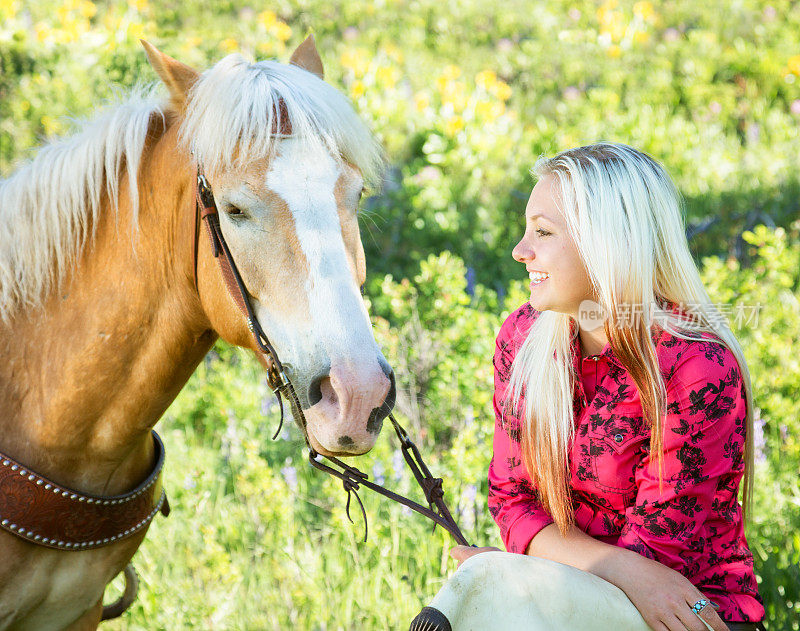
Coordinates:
<point>542,233</point>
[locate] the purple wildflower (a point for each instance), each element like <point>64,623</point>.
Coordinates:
<point>290,475</point>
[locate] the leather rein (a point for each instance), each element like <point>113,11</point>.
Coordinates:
<point>352,478</point>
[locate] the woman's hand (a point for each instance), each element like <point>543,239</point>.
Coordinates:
<point>664,597</point>
<point>462,553</point>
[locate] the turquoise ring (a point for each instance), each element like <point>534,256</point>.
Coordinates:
<point>699,605</point>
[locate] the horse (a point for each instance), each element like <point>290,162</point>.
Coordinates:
<point>109,299</point>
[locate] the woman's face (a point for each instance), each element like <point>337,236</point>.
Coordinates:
<point>559,280</point>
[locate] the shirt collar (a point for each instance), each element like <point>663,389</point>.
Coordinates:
<point>607,353</point>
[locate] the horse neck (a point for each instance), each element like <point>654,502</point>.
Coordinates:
<point>85,377</point>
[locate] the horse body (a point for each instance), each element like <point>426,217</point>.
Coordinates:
<point>91,367</point>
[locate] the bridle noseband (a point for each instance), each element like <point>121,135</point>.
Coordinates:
<point>206,211</point>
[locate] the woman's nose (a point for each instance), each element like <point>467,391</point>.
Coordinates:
<point>522,252</point>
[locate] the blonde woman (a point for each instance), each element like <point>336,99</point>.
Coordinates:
<point>623,402</point>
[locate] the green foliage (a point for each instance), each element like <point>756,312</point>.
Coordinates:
<point>464,96</point>
<point>768,335</point>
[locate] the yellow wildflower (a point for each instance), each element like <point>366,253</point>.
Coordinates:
<point>50,125</point>
<point>393,52</point>
<point>358,89</point>
<point>387,76</point>
<point>192,42</point>
<point>485,79</point>
<point>229,45</point>
<point>421,101</point>
<point>451,72</point>
<point>793,65</point>
<point>641,37</point>
<point>267,18</point>
<point>8,9</point>
<point>455,95</point>
<point>454,125</point>
<point>87,9</point>
<point>614,51</point>
<point>644,10</point>
<point>355,59</point>
<point>501,90</point>
<point>281,30</point>
<point>43,32</point>
<point>136,31</point>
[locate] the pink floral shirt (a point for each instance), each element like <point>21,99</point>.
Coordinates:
<point>695,525</point>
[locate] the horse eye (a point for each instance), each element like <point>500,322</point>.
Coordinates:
<point>234,211</point>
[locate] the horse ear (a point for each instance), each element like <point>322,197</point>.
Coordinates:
<point>307,57</point>
<point>177,76</point>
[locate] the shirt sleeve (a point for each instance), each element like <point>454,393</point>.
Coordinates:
<point>512,500</point>
<point>703,463</point>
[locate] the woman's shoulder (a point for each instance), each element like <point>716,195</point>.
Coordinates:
<point>692,360</point>
<point>515,328</point>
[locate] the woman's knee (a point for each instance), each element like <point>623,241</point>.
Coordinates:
<point>500,590</point>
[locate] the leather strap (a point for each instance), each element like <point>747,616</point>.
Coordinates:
<point>48,514</point>
<point>352,478</point>
<point>206,210</point>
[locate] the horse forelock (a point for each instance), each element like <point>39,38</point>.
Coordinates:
<point>49,206</point>
<point>235,108</point>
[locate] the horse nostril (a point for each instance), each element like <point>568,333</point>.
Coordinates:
<point>375,421</point>
<point>315,390</point>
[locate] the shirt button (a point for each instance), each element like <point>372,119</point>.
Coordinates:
<point>595,358</point>
<point>618,438</point>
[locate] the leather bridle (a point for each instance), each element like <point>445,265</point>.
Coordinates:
<point>206,211</point>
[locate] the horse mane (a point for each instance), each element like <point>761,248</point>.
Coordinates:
<point>49,206</point>
<point>235,107</point>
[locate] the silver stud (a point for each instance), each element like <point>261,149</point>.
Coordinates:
<point>39,482</point>
<point>6,463</point>
<point>73,496</point>
<point>37,537</point>
<point>12,527</point>
<point>31,477</point>
<point>23,473</point>
<point>14,467</point>
<point>89,500</point>
<point>4,522</point>
<point>47,487</point>
<point>105,540</point>
<point>45,540</point>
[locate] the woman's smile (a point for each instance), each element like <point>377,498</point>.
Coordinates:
<point>537,278</point>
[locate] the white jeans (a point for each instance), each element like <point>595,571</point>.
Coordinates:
<point>500,591</point>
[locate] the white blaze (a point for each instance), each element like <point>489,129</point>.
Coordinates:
<point>304,175</point>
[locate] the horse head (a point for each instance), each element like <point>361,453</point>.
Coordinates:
<point>287,159</point>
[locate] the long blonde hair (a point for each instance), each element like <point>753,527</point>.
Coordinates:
<point>625,215</point>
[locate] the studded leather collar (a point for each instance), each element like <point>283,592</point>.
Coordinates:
<point>49,514</point>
